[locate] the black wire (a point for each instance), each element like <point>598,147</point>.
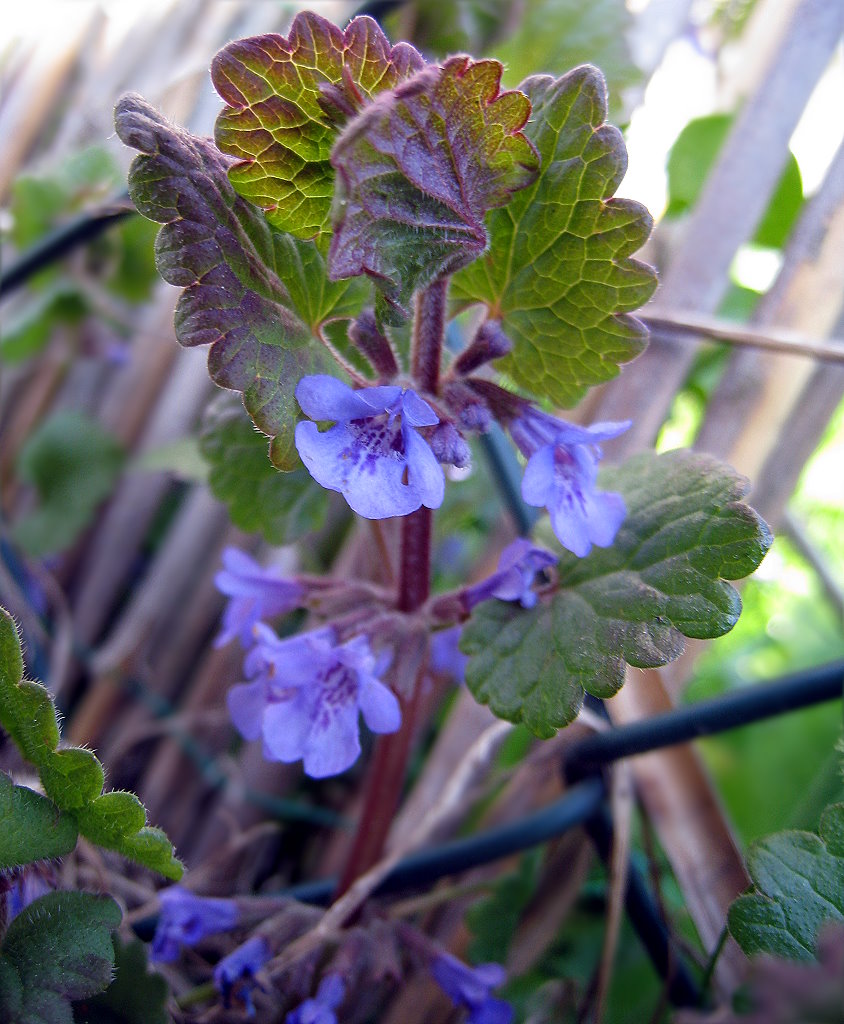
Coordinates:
<point>458,855</point>
<point>60,242</point>
<point>705,718</point>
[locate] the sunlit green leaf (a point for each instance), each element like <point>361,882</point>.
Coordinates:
<point>33,827</point>
<point>686,533</point>
<point>558,274</point>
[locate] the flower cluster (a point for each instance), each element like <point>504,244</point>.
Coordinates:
<point>304,697</point>
<point>561,475</point>
<point>374,454</point>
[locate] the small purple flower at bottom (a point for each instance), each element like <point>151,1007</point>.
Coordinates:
<point>472,987</point>
<point>185,918</point>
<point>373,454</point>
<point>305,696</point>
<point>561,474</point>
<point>514,578</point>
<point>254,593</point>
<point>234,975</point>
<point>320,1009</point>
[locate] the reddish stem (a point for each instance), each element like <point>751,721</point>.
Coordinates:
<point>387,770</point>
<point>428,329</point>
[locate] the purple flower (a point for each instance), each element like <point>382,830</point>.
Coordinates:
<point>320,1009</point>
<point>27,887</point>
<point>234,975</point>
<point>471,987</point>
<point>513,580</point>
<point>373,454</point>
<point>254,593</point>
<point>446,656</point>
<point>185,918</point>
<point>561,474</point>
<point>305,695</point>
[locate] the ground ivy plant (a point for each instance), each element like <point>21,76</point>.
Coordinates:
<point>357,202</point>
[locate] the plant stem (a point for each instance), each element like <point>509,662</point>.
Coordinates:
<point>388,768</point>
<point>428,328</point>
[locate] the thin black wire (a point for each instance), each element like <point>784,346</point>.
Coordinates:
<point>60,242</point>
<point>730,711</point>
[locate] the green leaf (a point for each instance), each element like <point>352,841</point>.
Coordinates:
<point>73,777</point>
<point>117,821</point>
<point>57,949</point>
<point>33,827</point>
<point>28,333</point>
<point>257,296</point>
<point>73,464</point>
<point>493,921</point>
<point>691,159</point>
<point>280,122</point>
<point>685,534</point>
<point>136,996</point>
<point>564,285</point>
<point>418,170</point>
<point>260,499</point>
<point>799,886</point>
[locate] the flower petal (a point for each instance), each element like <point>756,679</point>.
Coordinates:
<point>333,744</point>
<point>424,474</point>
<point>538,481</point>
<point>246,703</point>
<point>287,725</point>
<point>379,705</point>
<point>416,411</point>
<point>323,397</point>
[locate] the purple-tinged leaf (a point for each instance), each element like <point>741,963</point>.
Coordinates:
<point>418,170</point>
<point>287,99</point>
<point>257,296</point>
<point>564,291</point>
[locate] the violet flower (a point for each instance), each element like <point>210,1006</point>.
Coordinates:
<point>234,975</point>
<point>28,886</point>
<point>320,1009</point>
<point>472,987</point>
<point>305,695</point>
<point>185,918</point>
<point>561,474</point>
<point>373,454</point>
<point>514,578</point>
<point>446,656</point>
<point>254,593</point>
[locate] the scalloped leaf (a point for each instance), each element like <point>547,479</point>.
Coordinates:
<point>563,292</point>
<point>136,996</point>
<point>39,830</point>
<point>799,887</point>
<point>280,122</point>
<point>73,777</point>
<point>57,949</point>
<point>260,499</point>
<point>685,534</point>
<point>419,168</point>
<point>257,296</point>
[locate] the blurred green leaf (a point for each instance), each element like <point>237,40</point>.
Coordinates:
<point>29,332</point>
<point>56,950</point>
<point>686,533</point>
<point>799,886</point>
<point>691,159</point>
<point>493,921</point>
<point>260,499</point>
<point>34,828</point>
<point>73,464</point>
<point>564,291</point>
<point>136,996</point>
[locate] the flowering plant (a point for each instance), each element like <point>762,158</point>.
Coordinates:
<point>358,206</point>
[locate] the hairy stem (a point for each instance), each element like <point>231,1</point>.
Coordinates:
<point>428,329</point>
<point>388,767</point>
